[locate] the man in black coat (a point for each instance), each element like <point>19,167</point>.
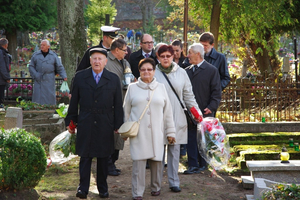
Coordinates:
<point>98,98</point>
<point>213,57</point>
<point>206,82</point>
<point>146,51</point>
<point>109,33</point>
<point>4,68</point>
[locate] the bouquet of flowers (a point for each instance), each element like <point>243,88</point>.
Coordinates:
<point>213,144</point>
<point>64,89</point>
<point>62,148</point>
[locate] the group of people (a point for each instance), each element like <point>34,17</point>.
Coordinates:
<point>164,79</point>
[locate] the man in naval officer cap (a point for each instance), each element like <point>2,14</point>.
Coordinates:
<point>109,33</point>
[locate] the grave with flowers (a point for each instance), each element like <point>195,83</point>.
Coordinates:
<point>24,90</point>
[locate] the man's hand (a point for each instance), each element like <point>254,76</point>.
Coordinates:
<point>116,131</point>
<point>70,130</point>
<point>207,111</point>
<point>171,140</point>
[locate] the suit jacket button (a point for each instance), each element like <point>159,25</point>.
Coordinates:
<point>95,122</point>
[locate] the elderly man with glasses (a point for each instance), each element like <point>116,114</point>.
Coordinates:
<point>146,51</point>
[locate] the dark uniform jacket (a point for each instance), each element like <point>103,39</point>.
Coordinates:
<point>206,86</point>
<point>97,110</point>
<point>134,60</point>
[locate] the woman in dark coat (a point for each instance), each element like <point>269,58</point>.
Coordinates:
<point>178,52</point>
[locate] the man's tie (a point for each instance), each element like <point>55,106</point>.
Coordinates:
<point>195,68</point>
<point>146,55</point>
<point>97,78</point>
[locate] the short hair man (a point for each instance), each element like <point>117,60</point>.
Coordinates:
<point>96,108</point>
<point>213,57</point>
<point>117,64</point>
<point>146,51</point>
<point>44,65</point>
<point>206,84</point>
<point>109,33</point>
<point>4,68</point>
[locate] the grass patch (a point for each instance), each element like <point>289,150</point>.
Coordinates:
<point>60,177</point>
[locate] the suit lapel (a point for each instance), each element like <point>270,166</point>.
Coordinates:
<point>89,79</point>
<point>104,79</point>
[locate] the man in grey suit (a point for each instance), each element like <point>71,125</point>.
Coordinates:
<point>206,84</point>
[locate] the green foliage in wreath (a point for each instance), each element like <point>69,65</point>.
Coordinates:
<point>283,192</point>
<point>23,160</point>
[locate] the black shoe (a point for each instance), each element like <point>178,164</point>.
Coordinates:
<point>175,189</point>
<point>192,170</point>
<point>118,170</point>
<point>114,173</point>
<point>81,194</point>
<point>202,168</point>
<point>104,195</point>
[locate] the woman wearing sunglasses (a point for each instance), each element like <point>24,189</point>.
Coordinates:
<point>149,97</point>
<point>182,85</point>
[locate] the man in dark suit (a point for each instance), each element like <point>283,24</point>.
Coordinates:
<point>146,51</point>
<point>98,98</point>
<point>206,82</point>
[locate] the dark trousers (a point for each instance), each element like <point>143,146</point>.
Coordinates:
<point>85,174</point>
<point>2,88</point>
<point>112,159</point>
<point>194,157</point>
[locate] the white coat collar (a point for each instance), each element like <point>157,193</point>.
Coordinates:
<point>146,86</point>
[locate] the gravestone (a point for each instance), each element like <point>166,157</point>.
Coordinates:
<point>13,118</point>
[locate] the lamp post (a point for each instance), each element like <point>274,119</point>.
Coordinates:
<point>185,21</point>
<point>296,61</point>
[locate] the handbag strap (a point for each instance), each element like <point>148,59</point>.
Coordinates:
<point>146,107</point>
<point>184,108</point>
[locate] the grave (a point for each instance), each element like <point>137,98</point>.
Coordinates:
<point>272,170</point>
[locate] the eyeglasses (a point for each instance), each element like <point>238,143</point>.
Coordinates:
<point>166,56</point>
<point>125,50</point>
<point>149,70</point>
<point>148,42</point>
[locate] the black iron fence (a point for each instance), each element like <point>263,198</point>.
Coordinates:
<point>265,100</point>
<point>23,87</point>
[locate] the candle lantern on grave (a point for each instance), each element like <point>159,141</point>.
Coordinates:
<point>284,155</point>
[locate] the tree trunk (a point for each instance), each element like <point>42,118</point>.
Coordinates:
<point>215,21</point>
<point>262,59</point>
<point>71,33</point>
<point>12,44</point>
<point>23,38</point>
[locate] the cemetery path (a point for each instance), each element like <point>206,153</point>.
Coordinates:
<point>198,186</point>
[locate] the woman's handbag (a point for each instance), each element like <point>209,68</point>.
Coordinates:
<point>189,117</point>
<point>131,129</point>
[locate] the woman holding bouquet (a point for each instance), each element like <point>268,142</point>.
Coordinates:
<point>156,126</point>
<point>182,85</point>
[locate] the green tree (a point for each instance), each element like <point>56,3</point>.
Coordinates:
<point>30,15</point>
<point>95,17</point>
<point>256,24</point>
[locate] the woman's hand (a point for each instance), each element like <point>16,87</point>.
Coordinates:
<point>171,140</point>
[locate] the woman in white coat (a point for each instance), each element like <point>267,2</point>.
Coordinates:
<point>156,126</point>
<point>182,85</point>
